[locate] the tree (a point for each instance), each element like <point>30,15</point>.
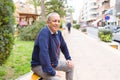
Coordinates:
<point>35,3</point>
<point>6,29</point>
<point>55,6</point>
<point>43,9</point>
<point>70,10</point>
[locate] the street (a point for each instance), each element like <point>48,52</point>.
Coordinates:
<point>93,32</point>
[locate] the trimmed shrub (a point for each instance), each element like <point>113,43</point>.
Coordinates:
<point>6,29</point>
<point>30,33</point>
<point>105,35</point>
<point>77,26</point>
<point>74,21</point>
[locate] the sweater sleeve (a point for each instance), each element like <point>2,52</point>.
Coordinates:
<point>64,48</point>
<point>44,54</point>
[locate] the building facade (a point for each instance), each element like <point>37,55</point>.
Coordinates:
<point>101,12</point>
<point>88,11</point>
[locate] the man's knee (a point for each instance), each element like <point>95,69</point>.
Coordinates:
<point>70,68</point>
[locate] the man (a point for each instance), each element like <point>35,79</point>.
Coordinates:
<point>69,27</point>
<point>45,57</point>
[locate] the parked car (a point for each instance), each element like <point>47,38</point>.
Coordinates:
<point>116,35</point>
<point>112,28</point>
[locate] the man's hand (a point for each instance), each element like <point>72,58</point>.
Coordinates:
<point>69,63</point>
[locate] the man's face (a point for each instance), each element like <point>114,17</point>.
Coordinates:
<point>54,23</point>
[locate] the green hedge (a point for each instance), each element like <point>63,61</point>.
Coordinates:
<point>29,33</point>
<point>6,29</point>
<point>105,35</point>
<point>77,26</point>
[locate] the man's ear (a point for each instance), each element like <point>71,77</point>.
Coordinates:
<point>48,21</point>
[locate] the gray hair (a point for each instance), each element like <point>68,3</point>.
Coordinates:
<point>51,14</point>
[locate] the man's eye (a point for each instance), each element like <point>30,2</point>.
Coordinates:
<point>56,21</point>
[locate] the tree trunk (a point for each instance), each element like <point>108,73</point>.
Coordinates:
<point>43,10</point>
<point>36,10</point>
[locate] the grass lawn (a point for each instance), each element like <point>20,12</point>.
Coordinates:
<point>19,61</point>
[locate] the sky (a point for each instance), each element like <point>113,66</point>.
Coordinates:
<point>76,4</point>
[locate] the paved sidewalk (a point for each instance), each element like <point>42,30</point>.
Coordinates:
<point>93,59</point>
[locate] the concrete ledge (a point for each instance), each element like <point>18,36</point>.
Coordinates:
<point>26,76</point>
<point>113,44</point>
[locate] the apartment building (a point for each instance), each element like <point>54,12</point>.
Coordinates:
<point>93,12</point>
<point>117,10</point>
<point>103,6</point>
<point>112,16</point>
<point>101,12</point>
<point>88,11</point>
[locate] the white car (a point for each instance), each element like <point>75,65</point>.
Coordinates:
<point>116,35</point>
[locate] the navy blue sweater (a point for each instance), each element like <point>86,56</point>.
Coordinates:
<point>45,50</point>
